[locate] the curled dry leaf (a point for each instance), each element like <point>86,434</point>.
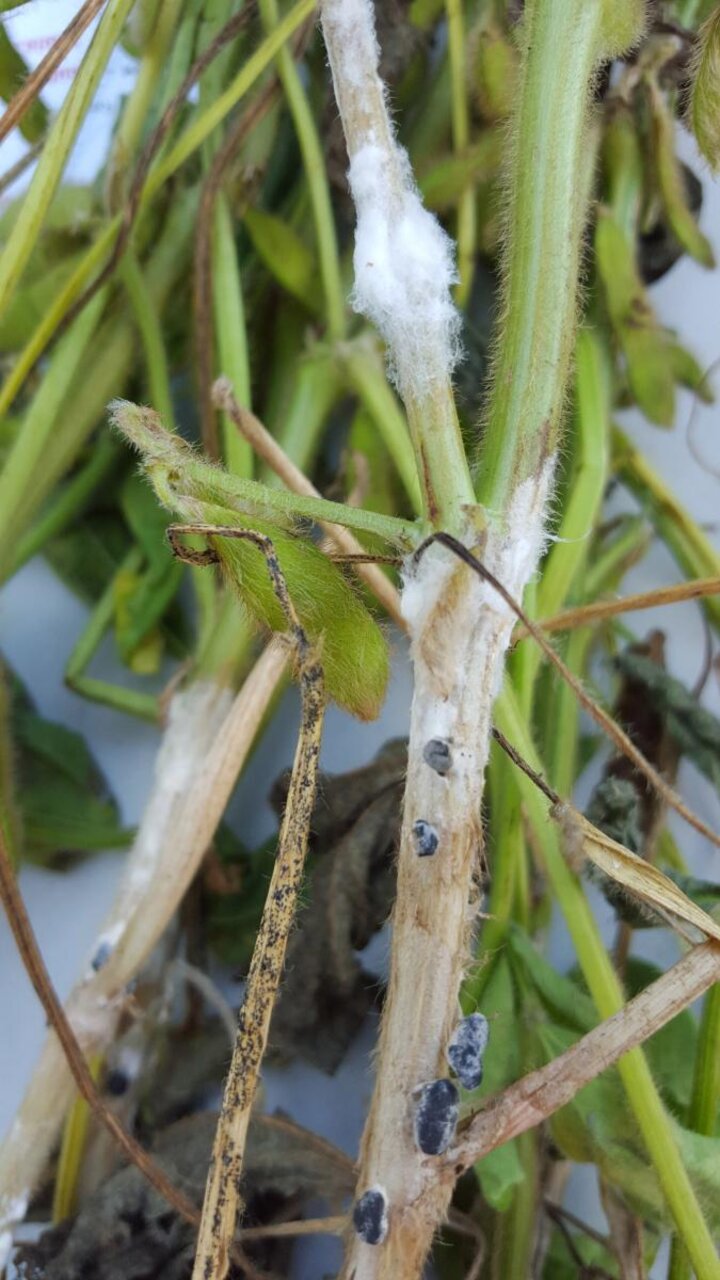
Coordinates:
<point>640,878</point>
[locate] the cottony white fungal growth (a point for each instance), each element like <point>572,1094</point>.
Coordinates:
<point>466,1049</point>
<point>436,1117</point>
<point>370,1216</point>
<point>404,262</point>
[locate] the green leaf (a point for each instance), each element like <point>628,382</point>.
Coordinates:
<point>560,1264</point>
<point>565,1002</point>
<point>88,554</point>
<point>500,1172</point>
<point>66,807</point>
<point>285,255</point>
<point>480,164</point>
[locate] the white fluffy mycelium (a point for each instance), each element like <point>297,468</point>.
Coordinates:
<point>404,262</point>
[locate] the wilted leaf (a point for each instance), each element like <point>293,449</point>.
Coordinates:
<point>695,729</point>
<point>705,104</point>
<point>325,993</point>
<point>127,1232</point>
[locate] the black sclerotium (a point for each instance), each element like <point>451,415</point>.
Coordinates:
<point>465,1050</point>
<point>436,754</point>
<point>370,1218</point>
<point>101,957</point>
<point>425,837</point>
<point>436,1116</point>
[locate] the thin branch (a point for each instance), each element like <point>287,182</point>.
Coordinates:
<point>222,1194</point>
<point>303,1227</point>
<point>296,481</point>
<point>26,95</point>
<point>583,615</point>
<point>541,1093</point>
<point>36,970</point>
<point>617,736</point>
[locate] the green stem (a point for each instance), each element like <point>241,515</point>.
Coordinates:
<point>704,1103</point>
<point>466,218</point>
<point>26,458</point>
<point>189,141</point>
<point>119,697</point>
<point>230,333</point>
<point>549,172</point>
<point>645,1103</point>
<point>148,323</point>
<point>27,226</point>
<point>58,424</point>
<point>137,108</point>
<point>586,488</point>
<point>362,364</point>
<point>316,173</point>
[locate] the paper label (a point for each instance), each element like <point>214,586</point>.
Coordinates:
<point>33,28</point>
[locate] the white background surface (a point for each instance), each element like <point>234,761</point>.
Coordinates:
<point>40,621</point>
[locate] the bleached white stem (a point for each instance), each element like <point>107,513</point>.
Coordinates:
<point>404,262</point>
<point>460,631</point>
<point>206,743</point>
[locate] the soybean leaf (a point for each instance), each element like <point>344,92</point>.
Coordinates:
<point>671,1050</point>
<point>561,1263</point>
<point>285,255</point>
<point>565,1002</point>
<point>65,803</point>
<point>500,1172</point>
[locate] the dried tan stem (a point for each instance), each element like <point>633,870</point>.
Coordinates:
<point>205,745</point>
<point>538,1095</point>
<point>222,1193</point>
<point>585,614</point>
<point>460,630</point>
<point>296,481</point>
